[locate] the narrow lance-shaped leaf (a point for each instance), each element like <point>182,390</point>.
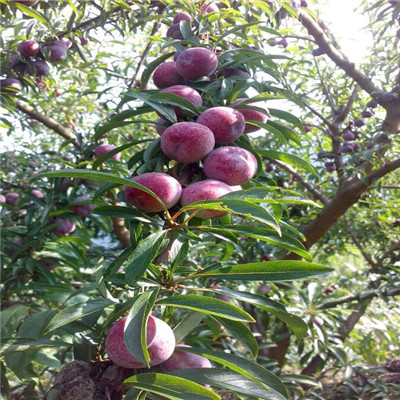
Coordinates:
<point>295,323</point>
<point>241,333</point>
<point>270,271</point>
<point>243,366</point>
<point>76,312</point>
<point>207,305</point>
<point>174,388</point>
<point>98,176</point>
<point>290,159</point>
<point>266,235</point>
<point>231,380</point>
<point>135,334</point>
<point>142,256</point>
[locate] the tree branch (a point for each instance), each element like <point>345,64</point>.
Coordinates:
<point>337,56</point>
<point>49,122</point>
<point>388,292</point>
<point>358,244</point>
<point>317,195</point>
<point>145,53</point>
<point>390,250</point>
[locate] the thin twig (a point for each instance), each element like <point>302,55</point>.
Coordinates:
<point>317,195</point>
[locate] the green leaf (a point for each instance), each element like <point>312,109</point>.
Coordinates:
<point>296,324</point>
<point>172,387</point>
<point>271,195</point>
<point>266,235</point>
<point>166,111</point>
<point>241,333</point>
<point>243,366</point>
<point>270,271</point>
<point>135,334</point>
<point>13,345</point>
<point>289,159</point>
<point>35,14</point>
<point>173,99</point>
<point>288,133</point>
<point>207,305</point>
<point>268,127</point>
<point>11,317</point>
<point>76,312</point>
<point>98,176</point>
<point>118,120</point>
<point>4,385</point>
<point>231,380</point>
<point>122,212</point>
<point>287,117</point>
<point>142,256</point>
<point>187,324</point>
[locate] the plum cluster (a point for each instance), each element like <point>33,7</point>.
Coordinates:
<point>32,57</point>
<point>205,143</point>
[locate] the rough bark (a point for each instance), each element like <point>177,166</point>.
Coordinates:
<point>50,123</point>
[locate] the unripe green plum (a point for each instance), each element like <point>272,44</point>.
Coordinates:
<point>160,343</point>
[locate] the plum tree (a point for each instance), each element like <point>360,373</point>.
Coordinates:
<point>196,62</point>
<point>225,123</point>
<point>208,189</point>
<point>187,142</point>
<point>160,343</point>
<point>167,188</point>
<point>232,165</point>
